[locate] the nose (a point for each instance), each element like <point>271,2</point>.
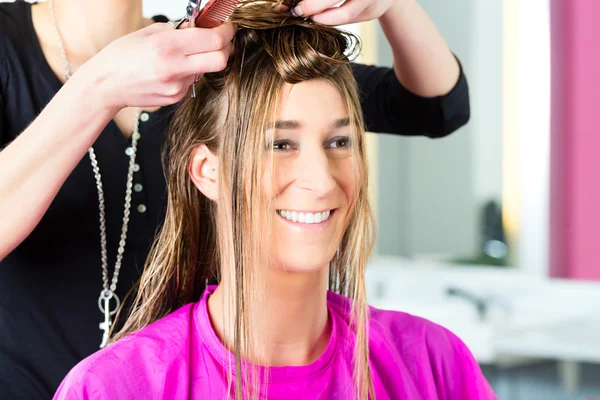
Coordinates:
<point>315,173</point>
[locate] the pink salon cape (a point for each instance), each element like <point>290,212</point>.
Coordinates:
<point>180,357</point>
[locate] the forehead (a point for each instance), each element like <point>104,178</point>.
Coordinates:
<point>315,100</point>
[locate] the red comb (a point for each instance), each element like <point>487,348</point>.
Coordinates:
<point>215,13</point>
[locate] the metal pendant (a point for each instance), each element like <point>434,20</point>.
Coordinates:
<point>104,305</point>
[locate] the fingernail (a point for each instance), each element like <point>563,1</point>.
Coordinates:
<point>297,11</point>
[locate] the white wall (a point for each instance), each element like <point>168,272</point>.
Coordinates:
<point>429,189</point>
<point>533,128</point>
<point>485,79</point>
<point>173,9</point>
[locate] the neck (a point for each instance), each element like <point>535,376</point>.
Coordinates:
<point>88,26</point>
<point>294,322</point>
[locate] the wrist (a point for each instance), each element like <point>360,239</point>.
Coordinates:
<point>396,10</point>
<point>90,93</point>
<point>93,85</point>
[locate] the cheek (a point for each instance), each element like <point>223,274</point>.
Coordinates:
<point>346,178</point>
<point>269,181</point>
<point>268,185</point>
<point>276,177</point>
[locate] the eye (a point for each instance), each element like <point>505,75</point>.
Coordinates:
<point>283,145</point>
<point>339,142</point>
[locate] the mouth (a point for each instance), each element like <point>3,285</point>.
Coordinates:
<point>307,218</point>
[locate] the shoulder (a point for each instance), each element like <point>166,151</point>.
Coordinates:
<point>406,331</point>
<point>16,33</point>
<point>13,12</point>
<point>14,17</point>
<point>438,359</point>
<point>134,364</point>
<point>401,329</point>
<point>436,351</point>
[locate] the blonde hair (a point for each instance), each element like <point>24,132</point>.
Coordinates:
<point>202,240</point>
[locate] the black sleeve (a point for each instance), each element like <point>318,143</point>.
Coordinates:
<point>389,107</point>
<point>3,119</point>
<point>2,124</point>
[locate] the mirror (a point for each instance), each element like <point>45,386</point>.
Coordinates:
<point>443,200</point>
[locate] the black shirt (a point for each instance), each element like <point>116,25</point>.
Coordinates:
<point>49,285</point>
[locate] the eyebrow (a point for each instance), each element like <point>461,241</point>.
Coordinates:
<point>292,124</point>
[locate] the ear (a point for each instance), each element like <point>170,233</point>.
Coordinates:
<point>203,171</point>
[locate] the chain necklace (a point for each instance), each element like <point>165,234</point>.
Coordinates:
<point>108,292</point>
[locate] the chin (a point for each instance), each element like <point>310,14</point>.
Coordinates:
<point>305,264</point>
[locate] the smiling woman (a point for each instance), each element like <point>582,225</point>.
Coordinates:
<point>268,163</point>
<point>312,177</point>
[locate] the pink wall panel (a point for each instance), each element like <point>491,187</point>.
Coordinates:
<point>575,139</point>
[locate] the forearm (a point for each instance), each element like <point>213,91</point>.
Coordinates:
<point>423,62</point>
<point>36,164</point>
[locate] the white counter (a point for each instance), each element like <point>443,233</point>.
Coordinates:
<point>529,316</point>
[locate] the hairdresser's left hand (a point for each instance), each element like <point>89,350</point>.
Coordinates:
<point>351,11</point>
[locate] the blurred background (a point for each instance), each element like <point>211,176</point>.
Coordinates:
<point>493,231</point>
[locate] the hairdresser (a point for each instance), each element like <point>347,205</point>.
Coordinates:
<point>87,90</point>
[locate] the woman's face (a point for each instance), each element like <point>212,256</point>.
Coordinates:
<point>312,182</point>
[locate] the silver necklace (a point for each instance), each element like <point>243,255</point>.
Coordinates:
<point>108,292</point>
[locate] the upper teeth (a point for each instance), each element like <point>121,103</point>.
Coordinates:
<point>306,218</point>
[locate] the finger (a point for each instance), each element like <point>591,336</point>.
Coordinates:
<point>306,8</point>
<point>213,61</point>
<point>175,98</point>
<point>192,79</point>
<point>188,85</point>
<point>182,24</point>
<point>199,40</point>
<point>281,8</point>
<point>348,13</point>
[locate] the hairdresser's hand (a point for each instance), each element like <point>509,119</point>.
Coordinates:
<point>155,66</point>
<point>351,11</point>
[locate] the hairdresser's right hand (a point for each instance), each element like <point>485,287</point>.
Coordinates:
<point>155,66</point>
